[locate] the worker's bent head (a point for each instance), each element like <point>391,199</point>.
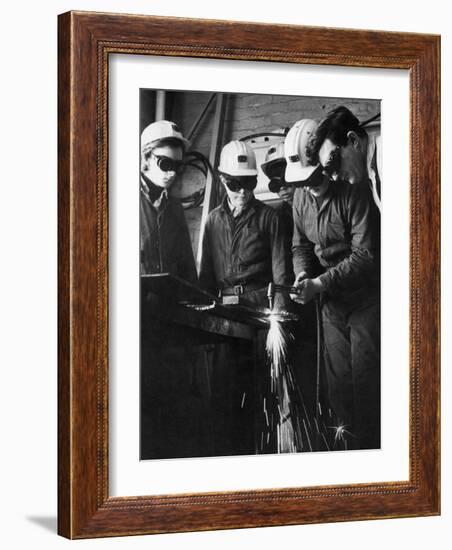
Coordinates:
<point>339,144</point>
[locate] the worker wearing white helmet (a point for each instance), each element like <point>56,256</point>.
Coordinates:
<point>244,249</point>
<point>274,167</point>
<point>238,174</point>
<point>166,372</point>
<point>336,256</point>
<point>165,242</point>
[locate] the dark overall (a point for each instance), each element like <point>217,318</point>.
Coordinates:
<point>249,251</point>
<point>342,234</point>
<point>171,408</point>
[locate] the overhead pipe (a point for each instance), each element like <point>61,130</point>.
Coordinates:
<point>160,105</point>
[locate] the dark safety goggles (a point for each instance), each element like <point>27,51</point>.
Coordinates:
<point>167,164</point>
<point>244,182</point>
<point>315,179</point>
<point>277,183</point>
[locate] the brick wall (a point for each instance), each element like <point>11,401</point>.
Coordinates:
<point>253,113</point>
<point>263,113</point>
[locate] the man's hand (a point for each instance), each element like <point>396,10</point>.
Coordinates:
<point>309,288</point>
<point>298,279</point>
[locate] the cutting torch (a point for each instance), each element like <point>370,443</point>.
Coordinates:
<point>273,288</point>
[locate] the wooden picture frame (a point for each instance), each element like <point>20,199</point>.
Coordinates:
<point>86,40</point>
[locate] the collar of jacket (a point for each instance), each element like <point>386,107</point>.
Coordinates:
<point>153,193</point>
<point>333,190</point>
<point>250,207</point>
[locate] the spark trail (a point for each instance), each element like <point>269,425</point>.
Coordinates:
<point>284,395</point>
<point>287,426</point>
<point>277,344</point>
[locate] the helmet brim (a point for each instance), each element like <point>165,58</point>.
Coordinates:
<point>296,172</point>
<point>185,144</point>
<point>238,173</point>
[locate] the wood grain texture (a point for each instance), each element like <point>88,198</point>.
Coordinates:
<point>85,42</point>
<point>64,296</point>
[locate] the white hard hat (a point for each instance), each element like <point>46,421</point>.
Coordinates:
<point>295,148</point>
<point>238,159</point>
<point>162,129</point>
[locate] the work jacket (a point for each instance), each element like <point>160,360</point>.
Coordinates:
<point>164,238</point>
<point>340,238</point>
<point>250,250</point>
<point>285,210</point>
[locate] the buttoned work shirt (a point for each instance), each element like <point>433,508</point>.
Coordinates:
<point>340,235</point>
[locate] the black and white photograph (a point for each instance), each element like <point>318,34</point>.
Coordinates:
<point>221,329</point>
<point>260,274</point>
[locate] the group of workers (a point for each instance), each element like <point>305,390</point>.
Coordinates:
<point>322,242</point>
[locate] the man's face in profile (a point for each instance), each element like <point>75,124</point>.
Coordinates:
<point>344,163</point>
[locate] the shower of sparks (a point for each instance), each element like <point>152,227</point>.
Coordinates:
<point>277,344</point>
<point>287,427</point>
